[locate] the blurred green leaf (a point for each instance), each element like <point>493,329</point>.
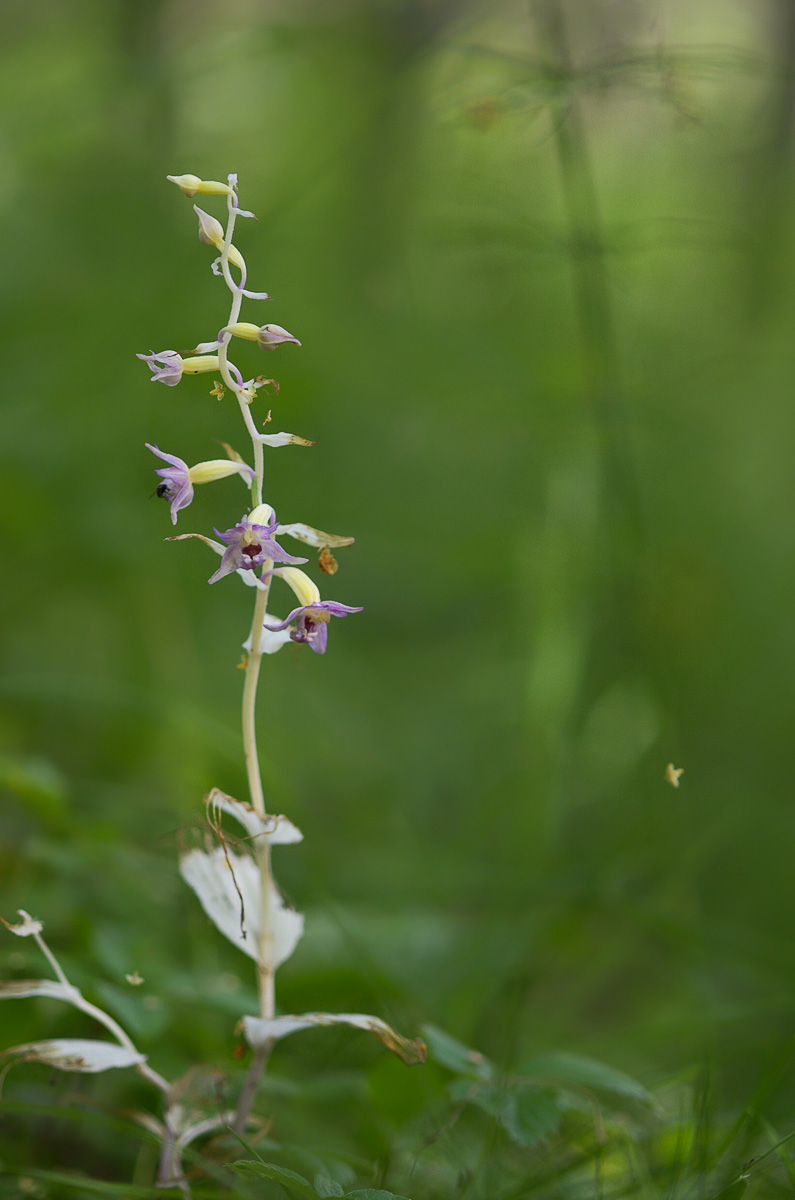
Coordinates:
<point>611,1086</point>
<point>527,1112</point>
<point>373,1194</point>
<point>733,1191</point>
<point>36,782</point>
<point>288,1179</point>
<point>326,1187</point>
<point>447,1050</point>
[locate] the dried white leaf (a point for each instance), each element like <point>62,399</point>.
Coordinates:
<point>76,1054</point>
<point>314,537</point>
<point>283,439</point>
<point>209,1125</point>
<point>27,926</point>
<point>261,1030</point>
<point>183,537</point>
<point>230,893</point>
<point>231,453</point>
<point>21,988</point>
<point>279,831</point>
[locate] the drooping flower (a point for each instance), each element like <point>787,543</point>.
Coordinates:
<point>313,616</point>
<point>168,367</point>
<point>267,336</point>
<point>251,544</point>
<point>178,478</point>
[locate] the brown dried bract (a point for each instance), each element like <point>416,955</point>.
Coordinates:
<point>327,562</point>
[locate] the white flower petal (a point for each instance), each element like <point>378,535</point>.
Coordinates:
<point>269,641</point>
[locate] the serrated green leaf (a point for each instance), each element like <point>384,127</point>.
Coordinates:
<point>447,1050</point>
<point>288,1179</point>
<point>611,1086</point>
<point>533,1114</point>
<point>326,1187</point>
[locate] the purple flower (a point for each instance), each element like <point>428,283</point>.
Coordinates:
<point>311,623</point>
<point>176,486</point>
<point>166,367</point>
<point>250,545</point>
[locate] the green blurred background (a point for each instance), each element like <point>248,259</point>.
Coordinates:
<point>540,260</point>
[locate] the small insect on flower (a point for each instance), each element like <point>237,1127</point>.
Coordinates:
<point>178,479</point>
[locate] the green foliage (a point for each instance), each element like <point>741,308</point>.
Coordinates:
<point>298,1186</point>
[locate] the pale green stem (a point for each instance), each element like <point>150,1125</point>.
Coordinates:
<point>249,704</point>
<point>265,969</point>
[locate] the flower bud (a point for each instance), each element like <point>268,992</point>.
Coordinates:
<point>268,336</point>
<point>211,233</point>
<point>199,363</point>
<point>191,185</point>
<point>261,515</point>
<point>302,585</point>
<point>218,468</point>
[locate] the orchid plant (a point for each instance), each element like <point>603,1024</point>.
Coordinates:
<point>232,878</point>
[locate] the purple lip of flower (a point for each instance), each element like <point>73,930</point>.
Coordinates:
<point>166,367</point>
<point>311,623</point>
<point>249,546</point>
<point>176,485</point>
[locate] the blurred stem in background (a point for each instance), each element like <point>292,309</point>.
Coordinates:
<point>768,182</point>
<point>604,639</point>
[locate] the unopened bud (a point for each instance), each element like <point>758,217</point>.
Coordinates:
<point>211,233</point>
<point>191,185</point>
<point>218,468</point>
<point>302,585</point>
<point>199,363</point>
<point>268,336</point>
<point>261,515</point>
